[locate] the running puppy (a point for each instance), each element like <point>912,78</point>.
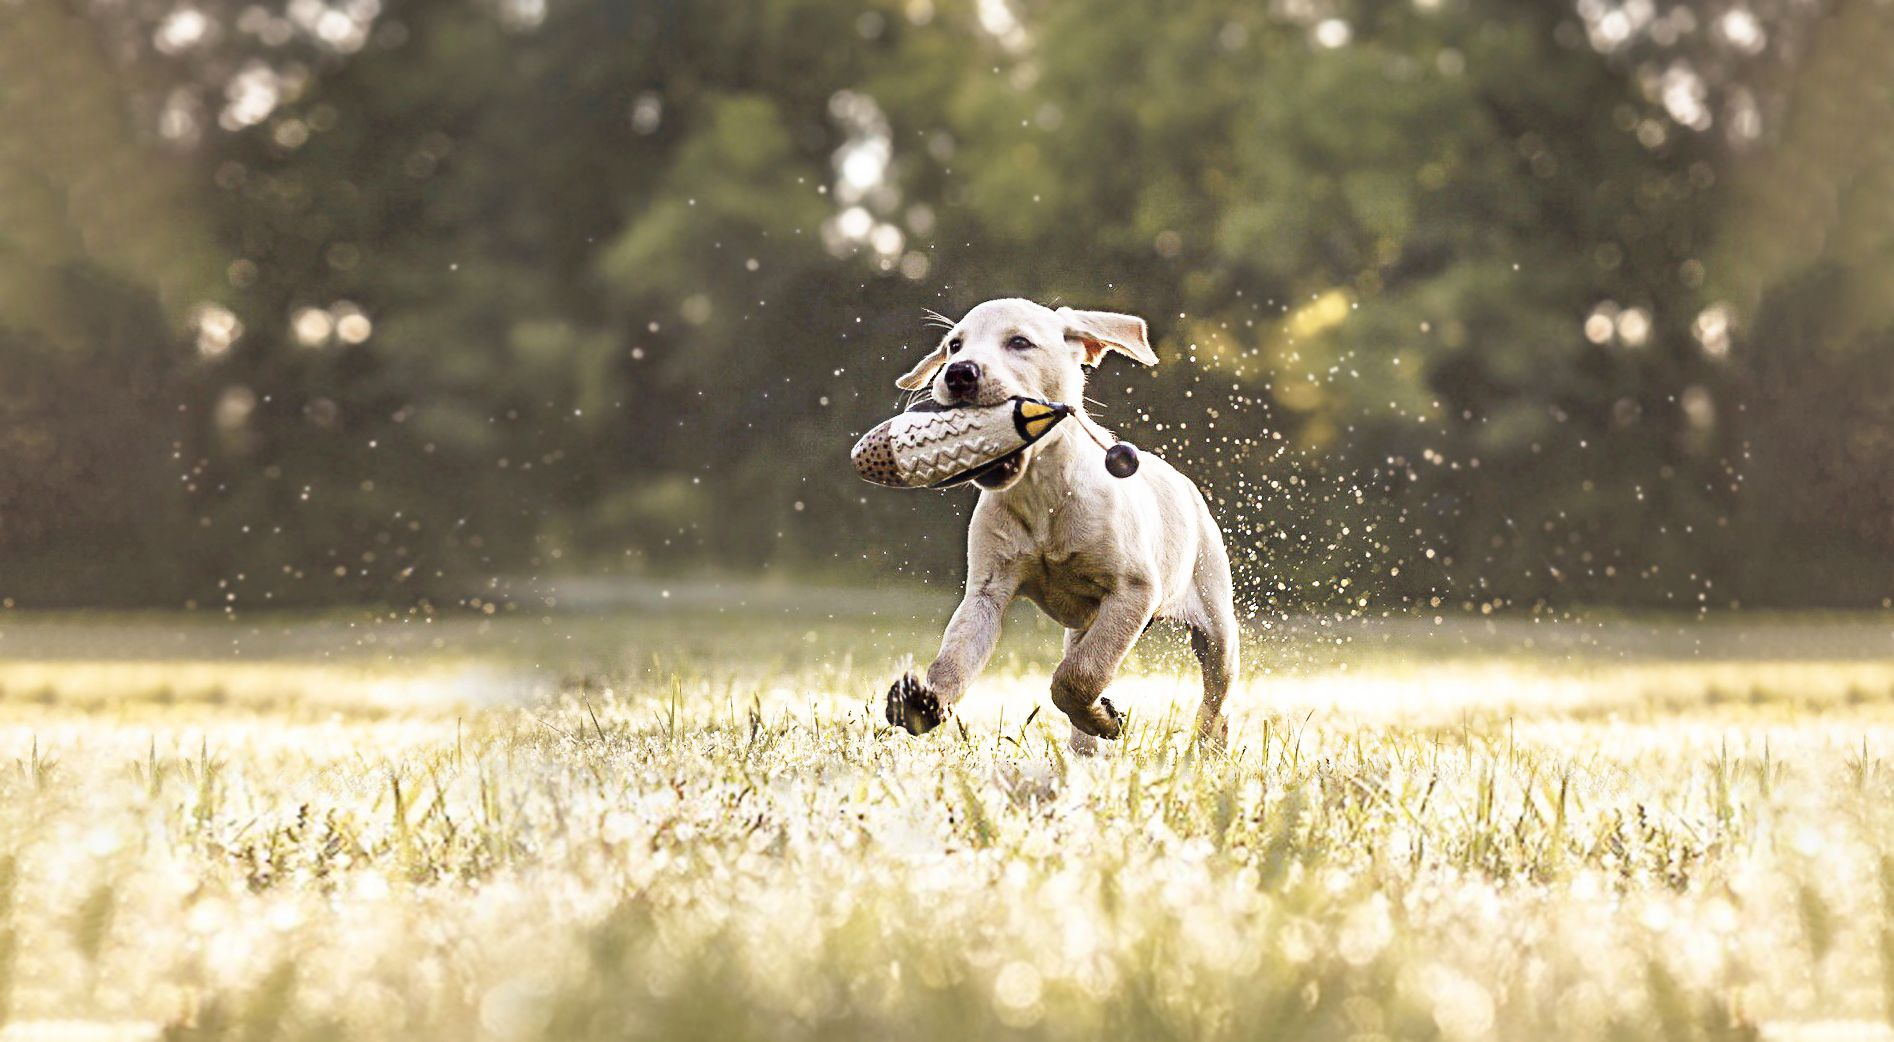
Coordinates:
<point>1101,556</point>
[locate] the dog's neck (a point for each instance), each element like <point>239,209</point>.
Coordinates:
<point>1080,446</point>
<point>1066,459</point>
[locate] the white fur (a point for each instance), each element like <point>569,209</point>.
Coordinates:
<point>1102,556</point>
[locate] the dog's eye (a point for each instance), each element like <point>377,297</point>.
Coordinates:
<point>953,346</point>
<point>1019,343</point>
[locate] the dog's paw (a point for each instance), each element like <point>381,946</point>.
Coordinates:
<point>1098,719</point>
<point>913,707</point>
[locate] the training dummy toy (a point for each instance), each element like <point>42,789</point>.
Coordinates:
<point>937,446</point>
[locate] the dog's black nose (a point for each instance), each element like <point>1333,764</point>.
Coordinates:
<point>962,378</point>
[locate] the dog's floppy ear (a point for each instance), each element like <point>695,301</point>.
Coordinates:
<point>1101,331</point>
<point>917,377</point>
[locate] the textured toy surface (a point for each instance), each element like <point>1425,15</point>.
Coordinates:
<point>934,447</point>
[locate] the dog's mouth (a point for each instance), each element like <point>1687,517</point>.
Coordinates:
<point>989,392</point>
<point>1003,471</point>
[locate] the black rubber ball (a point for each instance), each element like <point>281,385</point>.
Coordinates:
<point>1121,460</point>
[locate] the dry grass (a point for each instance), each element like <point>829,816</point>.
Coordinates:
<point>689,823</point>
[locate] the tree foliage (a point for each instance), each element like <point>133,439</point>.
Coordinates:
<point>1467,304</point>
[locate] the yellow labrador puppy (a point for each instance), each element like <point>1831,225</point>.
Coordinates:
<point>1102,556</point>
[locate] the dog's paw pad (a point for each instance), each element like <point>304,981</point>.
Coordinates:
<point>913,707</point>
<point>1117,725</point>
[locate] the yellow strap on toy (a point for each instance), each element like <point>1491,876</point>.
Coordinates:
<point>1034,418</point>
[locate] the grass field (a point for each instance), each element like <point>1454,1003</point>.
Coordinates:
<point>681,817</point>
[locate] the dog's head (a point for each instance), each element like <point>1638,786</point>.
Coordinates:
<point>1004,348</point>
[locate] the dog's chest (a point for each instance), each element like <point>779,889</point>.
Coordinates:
<point>1063,563</point>
<point>1064,589</point>
<point>1051,526</point>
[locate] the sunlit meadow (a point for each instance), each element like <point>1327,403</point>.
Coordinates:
<point>684,818</point>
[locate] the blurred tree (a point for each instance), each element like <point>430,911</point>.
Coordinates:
<point>1803,261</point>
<point>108,311</point>
<point>1471,303</point>
<point>1371,249</point>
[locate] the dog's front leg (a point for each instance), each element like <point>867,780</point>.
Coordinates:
<point>971,636</point>
<point>1078,685</point>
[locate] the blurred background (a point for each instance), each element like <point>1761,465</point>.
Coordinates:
<point>1463,305</point>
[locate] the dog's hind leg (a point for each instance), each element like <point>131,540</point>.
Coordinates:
<point>1215,645</point>
<point>1216,639</point>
